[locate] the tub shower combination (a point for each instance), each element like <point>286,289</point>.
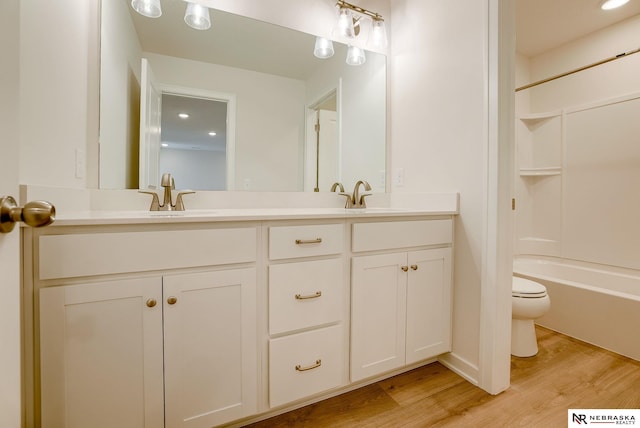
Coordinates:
<point>594,303</point>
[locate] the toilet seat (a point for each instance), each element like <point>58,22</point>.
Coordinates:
<point>525,288</point>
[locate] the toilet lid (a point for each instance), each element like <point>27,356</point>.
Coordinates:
<point>521,287</point>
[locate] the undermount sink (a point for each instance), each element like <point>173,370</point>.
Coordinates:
<point>374,210</point>
<point>187,213</point>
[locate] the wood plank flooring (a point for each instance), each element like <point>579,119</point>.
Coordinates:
<point>565,374</point>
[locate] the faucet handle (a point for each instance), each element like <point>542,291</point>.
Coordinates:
<point>155,201</point>
<point>362,203</point>
<point>349,202</point>
<point>337,185</point>
<point>179,203</point>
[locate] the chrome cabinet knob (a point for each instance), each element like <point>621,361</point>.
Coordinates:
<point>34,214</point>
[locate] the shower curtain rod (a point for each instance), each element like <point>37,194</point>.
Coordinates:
<point>604,61</point>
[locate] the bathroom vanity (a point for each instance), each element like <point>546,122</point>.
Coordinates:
<point>210,317</point>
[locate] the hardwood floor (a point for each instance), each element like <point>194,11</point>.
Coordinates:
<point>565,374</point>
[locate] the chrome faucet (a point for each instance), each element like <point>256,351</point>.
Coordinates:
<point>169,184</point>
<point>354,200</point>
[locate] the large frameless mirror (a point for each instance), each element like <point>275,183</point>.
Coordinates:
<point>278,118</point>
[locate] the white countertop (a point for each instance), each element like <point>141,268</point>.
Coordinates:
<point>82,218</point>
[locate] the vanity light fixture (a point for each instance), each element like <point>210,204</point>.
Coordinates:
<point>612,4</point>
<point>212,134</point>
<point>148,8</point>
<point>164,145</point>
<point>183,115</point>
<point>346,27</point>
<point>350,18</point>
<point>197,16</point>
<point>355,56</point>
<point>378,35</point>
<point>323,48</point>
<point>349,21</point>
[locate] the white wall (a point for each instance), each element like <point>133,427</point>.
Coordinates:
<point>451,119</point>
<point>55,93</point>
<point>439,114</point>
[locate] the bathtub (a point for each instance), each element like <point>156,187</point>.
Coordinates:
<point>593,303</point>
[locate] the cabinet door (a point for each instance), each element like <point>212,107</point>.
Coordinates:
<point>428,304</point>
<point>378,314</point>
<point>210,347</point>
<point>101,355</point>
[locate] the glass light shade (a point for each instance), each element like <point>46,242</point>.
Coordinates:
<point>355,56</point>
<point>345,23</point>
<point>197,16</point>
<point>148,8</point>
<point>378,35</point>
<point>323,48</point>
<point>612,4</point>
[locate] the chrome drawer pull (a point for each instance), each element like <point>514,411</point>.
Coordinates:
<point>309,296</point>
<point>308,241</point>
<point>304,369</point>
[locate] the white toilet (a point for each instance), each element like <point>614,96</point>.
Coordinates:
<point>529,301</point>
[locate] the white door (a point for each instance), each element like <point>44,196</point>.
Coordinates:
<point>101,355</point>
<point>378,314</point>
<point>150,121</point>
<point>328,150</point>
<point>10,411</point>
<point>428,304</point>
<point>210,347</point>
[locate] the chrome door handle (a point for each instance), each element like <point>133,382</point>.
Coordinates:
<point>34,214</point>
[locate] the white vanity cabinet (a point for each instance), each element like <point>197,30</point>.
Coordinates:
<point>157,349</point>
<point>400,294</point>
<point>186,322</point>
<point>307,291</point>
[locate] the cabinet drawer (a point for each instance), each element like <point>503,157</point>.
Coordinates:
<point>305,294</point>
<point>305,241</point>
<point>74,255</point>
<point>305,364</point>
<point>401,234</point>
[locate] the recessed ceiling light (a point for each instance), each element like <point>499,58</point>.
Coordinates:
<point>183,115</point>
<point>612,4</point>
<point>213,134</point>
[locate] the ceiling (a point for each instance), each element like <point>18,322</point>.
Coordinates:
<point>545,24</point>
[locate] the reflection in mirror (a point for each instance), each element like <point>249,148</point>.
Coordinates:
<point>193,141</point>
<point>275,85</point>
